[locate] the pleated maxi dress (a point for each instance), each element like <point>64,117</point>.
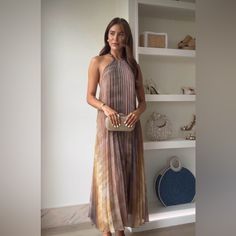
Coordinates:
<point>118,196</point>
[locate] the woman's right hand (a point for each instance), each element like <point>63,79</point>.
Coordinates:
<point>112,114</point>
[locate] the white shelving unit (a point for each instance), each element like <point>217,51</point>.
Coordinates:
<point>172,67</point>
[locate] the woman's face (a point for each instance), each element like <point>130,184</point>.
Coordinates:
<point>116,37</point>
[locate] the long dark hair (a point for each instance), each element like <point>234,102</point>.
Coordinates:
<point>127,52</point>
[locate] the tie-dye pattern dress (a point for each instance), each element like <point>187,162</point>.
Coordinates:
<point>118,193</point>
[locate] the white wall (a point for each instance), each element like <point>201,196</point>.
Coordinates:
<point>72,33</point>
<point>20,128</point>
<point>216,83</point>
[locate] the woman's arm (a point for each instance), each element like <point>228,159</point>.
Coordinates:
<point>93,79</point>
<point>140,93</point>
<point>135,115</point>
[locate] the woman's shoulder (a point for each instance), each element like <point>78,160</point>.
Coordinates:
<point>99,59</point>
<point>100,62</point>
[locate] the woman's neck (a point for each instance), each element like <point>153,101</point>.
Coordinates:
<point>116,54</point>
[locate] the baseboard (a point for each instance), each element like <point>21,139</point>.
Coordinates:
<point>63,217</point>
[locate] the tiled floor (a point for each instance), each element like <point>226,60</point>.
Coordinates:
<point>181,230</point>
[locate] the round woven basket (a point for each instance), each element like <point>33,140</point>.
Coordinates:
<point>175,184</point>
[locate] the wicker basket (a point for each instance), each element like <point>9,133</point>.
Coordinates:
<point>152,39</point>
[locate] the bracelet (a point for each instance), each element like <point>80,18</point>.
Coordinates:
<point>103,104</point>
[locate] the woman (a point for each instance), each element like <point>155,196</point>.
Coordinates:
<point>118,193</point>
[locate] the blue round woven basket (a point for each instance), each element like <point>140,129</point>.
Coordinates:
<point>175,185</point>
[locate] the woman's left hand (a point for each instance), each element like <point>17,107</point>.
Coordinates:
<point>132,118</point>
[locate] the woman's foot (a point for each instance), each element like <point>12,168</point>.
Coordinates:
<point>120,233</point>
<point>107,234</point>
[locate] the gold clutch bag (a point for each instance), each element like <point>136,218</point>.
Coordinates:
<point>122,126</point>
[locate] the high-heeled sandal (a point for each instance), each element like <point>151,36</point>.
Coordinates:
<point>188,90</point>
<point>191,44</point>
<point>184,42</point>
<point>190,125</point>
<point>187,43</point>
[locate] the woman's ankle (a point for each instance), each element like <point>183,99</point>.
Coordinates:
<point>120,233</point>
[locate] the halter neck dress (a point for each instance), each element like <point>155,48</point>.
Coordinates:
<point>118,196</point>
